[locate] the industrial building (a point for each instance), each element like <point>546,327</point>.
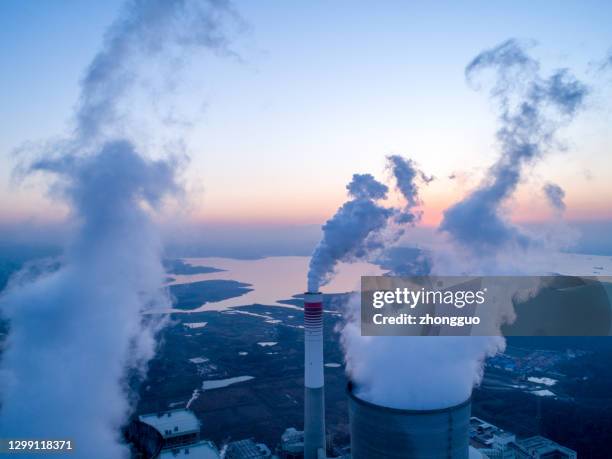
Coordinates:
<point>376,432</point>
<point>490,440</point>
<point>170,434</point>
<point>496,443</point>
<point>177,427</point>
<point>179,436</point>
<point>199,450</point>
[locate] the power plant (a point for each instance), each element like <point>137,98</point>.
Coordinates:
<point>376,431</point>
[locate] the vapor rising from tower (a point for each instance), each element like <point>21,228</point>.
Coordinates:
<point>358,227</point>
<point>347,235</point>
<point>354,232</point>
<point>77,333</point>
<point>74,332</point>
<point>432,373</point>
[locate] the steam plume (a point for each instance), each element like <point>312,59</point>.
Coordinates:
<point>357,228</point>
<point>74,332</point>
<point>531,111</point>
<point>406,175</point>
<point>414,372</point>
<point>352,232</point>
<point>77,333</point>
<point>145,29</point>
<point>555,195</point>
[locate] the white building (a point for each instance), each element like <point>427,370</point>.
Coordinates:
<point>200,450</point>
<point>496,443</point>
<point>177,427</point>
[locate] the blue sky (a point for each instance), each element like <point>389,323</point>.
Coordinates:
<point>323,90</point>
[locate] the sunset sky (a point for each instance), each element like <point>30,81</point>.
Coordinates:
<point>319,91</point>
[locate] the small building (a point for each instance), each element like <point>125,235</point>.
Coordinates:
<point>496,443</point>
<point>200,450</point>
<point>178,427</point>
<point>247,449</point>
<point>491,441</point>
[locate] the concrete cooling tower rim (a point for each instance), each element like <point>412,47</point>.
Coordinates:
<point>349,390</point>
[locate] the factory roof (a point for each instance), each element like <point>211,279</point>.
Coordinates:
<point>172,423</point>
<point>201,450</point>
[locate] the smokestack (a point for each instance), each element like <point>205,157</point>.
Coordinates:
<point>314,394</point>
<point>381,432</point>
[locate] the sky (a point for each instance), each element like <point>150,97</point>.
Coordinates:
<point>316,92</point>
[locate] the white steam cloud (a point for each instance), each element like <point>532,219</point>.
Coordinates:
<point>406,174</point>
<point>353,232</point>
<point>74,332</point>
<point>531,111</point>
<point>145,29</point>
<point>77,334</point>
<point>357,230</point>
<point>414,372</point>
<point>437,372</point>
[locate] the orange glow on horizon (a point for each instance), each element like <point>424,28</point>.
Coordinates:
<point>294,209</point>
<point>432,214</point>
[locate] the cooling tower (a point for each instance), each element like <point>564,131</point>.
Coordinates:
<point>381,432</point>
<point>314,396</point>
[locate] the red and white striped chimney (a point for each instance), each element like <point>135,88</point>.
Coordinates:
<point>314,396</point>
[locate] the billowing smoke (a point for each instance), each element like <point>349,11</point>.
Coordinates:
<point>437,372</point>
<point>406,174</point>
<point>77,334</point>
<point>353,232</point>
<point>145,29</point>
<point>414,372</point>
<point>531,111</point>
<point>555,195</point>
<point>74,332</point>
<point>357,230</point>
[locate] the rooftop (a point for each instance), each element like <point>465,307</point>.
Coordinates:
<point>174,422</point>
<point>486,435</point>
<point>201,450</point>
